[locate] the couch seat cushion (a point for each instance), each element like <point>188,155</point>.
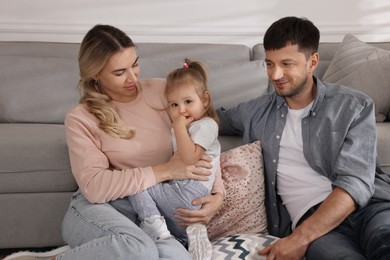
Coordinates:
<point>34,158</point>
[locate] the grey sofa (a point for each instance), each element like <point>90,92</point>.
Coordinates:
<point>38,86</point>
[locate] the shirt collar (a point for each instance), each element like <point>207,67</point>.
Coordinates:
<point>321,89</point>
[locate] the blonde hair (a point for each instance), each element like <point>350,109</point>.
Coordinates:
<point>195,73</point>
<point>98,45</point>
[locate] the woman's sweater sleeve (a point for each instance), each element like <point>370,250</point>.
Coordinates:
<point>96,178</point>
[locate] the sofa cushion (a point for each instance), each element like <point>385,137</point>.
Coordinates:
<point>241,246</point>
<point>37,89</point>
<point>226,73</point>
<point>225,78</point>
<point>243,209</point>
<point>158,59</point>
<point>327,52</point>
<point>365,68</point>
<point>234,83</point>
<point>34,158</point>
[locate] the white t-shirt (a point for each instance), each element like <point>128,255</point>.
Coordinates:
<point>204,132</point>
<point>299,186</point>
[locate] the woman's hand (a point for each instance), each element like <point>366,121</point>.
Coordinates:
<point>210,205</point>
<point>175,169</point>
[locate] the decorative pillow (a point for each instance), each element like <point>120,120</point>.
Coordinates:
<point>241,246</point>
<point>243,209</point>
<point>365,68</point>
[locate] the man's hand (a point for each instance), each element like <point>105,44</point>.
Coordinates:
<point>289,248</point>
<point>210,205</point>
<point>331,213</point>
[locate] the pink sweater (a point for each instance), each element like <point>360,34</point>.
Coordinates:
<point>108,168</point>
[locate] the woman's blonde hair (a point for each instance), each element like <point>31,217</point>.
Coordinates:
<point>193,72</point>
<point>98,45</point>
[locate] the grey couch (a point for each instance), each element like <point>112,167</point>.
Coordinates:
<point>38,86</point>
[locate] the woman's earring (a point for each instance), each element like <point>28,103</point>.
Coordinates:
<point>96,82</point>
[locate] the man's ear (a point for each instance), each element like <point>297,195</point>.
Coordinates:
<point>314,60</point>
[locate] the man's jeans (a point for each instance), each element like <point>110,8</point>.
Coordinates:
<point>363,235</point>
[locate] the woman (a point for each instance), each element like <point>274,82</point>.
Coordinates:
<point>119,145</point>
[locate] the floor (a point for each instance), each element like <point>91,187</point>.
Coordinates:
<point>6,252</point>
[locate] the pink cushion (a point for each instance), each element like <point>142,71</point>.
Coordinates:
<point>243,209</point>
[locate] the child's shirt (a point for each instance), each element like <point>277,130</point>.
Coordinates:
<point>204,132</point>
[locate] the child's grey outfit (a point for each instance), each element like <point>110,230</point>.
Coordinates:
<point>165,198</point>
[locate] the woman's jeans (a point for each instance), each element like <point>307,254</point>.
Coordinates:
<point>363,235</point>
<point>107,231</point>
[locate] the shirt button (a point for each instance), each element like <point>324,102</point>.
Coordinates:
<point>274,205</point>
<point>282,115</point>
<point>278,136</point>
<point>314,113</point>
<point>274,161</point>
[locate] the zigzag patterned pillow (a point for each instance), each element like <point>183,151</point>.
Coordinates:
<point>241,246</point>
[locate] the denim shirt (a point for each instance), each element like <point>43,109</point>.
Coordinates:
<point>339,142</point>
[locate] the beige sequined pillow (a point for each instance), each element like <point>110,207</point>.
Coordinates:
<point>243,209</point>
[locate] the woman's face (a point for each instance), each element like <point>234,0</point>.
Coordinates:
<point>119,77</point>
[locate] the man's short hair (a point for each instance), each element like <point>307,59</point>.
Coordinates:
<point>295,31</point>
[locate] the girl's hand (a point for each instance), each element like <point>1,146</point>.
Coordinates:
<point>181,122</point>
<point>210,205</point>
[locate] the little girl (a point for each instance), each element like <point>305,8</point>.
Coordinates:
<point>195,133</point>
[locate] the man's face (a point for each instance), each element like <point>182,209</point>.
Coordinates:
<point>290,71</point>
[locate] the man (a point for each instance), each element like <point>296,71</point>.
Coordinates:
<point>323,196</point>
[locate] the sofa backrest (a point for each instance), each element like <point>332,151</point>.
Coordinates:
<point>38,80</point>
<point>326,50</point>
<point>229,68</point>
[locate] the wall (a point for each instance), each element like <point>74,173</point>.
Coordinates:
<point>208,21</point>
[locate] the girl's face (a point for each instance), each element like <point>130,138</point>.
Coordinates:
<point>185,101</point>
<point>119,77</point>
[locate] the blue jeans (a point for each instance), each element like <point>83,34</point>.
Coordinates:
<point>108,231</point>
<point>363,235</point>
<point>164,198</point>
